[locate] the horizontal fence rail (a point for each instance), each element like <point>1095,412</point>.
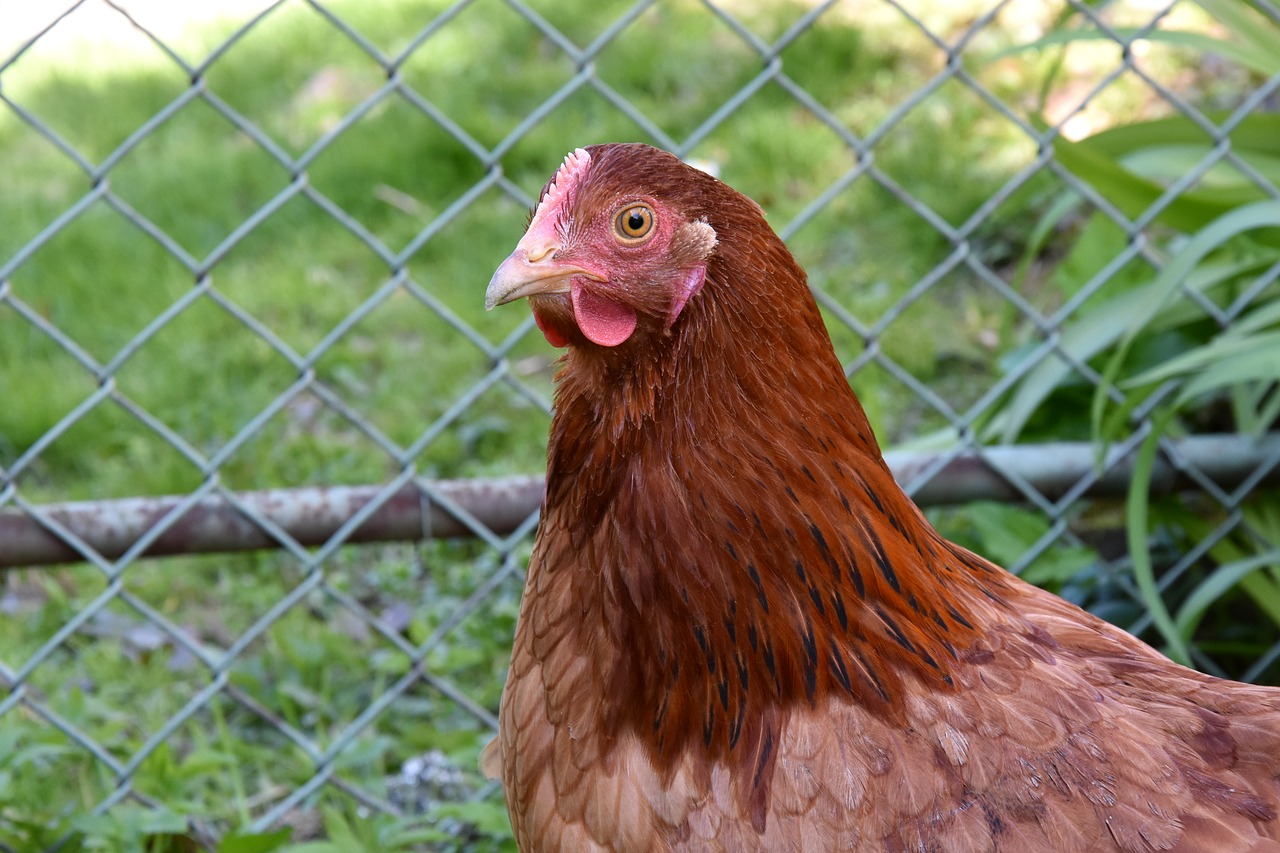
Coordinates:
<point>442,509</point>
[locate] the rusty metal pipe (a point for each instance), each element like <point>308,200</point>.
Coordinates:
<point>310,515</point>
<point>313,515</point>
<point>1055,468</point>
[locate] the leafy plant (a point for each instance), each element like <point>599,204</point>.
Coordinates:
<point>1161,361</point>
<point>1243,363</point>
<point>1251,39</point>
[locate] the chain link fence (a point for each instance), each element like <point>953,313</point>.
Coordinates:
<point>239,310</point>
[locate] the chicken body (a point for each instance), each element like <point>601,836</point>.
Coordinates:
<point>737,631</point>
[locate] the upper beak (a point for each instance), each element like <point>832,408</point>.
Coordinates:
<point>528,271</point>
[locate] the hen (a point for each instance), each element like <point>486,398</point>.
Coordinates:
<point>738,633</point>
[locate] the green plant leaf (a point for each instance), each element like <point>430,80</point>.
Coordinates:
<point>1177,271</point>
<point>1260,35</point>
<point>1257,133</point>
<point>1258,318</point>
<point>1136,524</point>
<point>1264,412</point>
<point>1265,592</point>
<point>1133,194</point>
<point>1255,41</point>
<point>1258,364</point>
<point>1248,55</point>
<point>1098,328</point>
<point>1219,582</point>
<point>1109,161</point>
<point>1221,183</point>
<point>264,842</point>
<point>340,830</point>
<point>1063,206</point>
<point>1221,358</point>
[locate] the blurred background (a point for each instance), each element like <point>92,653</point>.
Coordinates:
<point>243,247</point>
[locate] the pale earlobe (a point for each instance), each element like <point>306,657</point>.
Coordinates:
<point>699,236</point>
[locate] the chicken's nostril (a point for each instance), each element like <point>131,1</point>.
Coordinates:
<point>538,253</point>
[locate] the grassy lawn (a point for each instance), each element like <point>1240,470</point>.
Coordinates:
<point>289,703</point>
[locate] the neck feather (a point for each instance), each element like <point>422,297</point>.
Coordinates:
<point>727,517</point>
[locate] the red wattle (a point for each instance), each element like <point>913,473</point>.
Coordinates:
<point>554,336</point>
<point>601,319</point>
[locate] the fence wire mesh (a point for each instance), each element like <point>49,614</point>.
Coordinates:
<point>247,251</point>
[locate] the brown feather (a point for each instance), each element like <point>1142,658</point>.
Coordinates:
<point>739,633</point>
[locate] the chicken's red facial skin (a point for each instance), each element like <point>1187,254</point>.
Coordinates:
<point>739,633</point>
<point>611,261</point>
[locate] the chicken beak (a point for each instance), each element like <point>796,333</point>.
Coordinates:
<point>528,271</point>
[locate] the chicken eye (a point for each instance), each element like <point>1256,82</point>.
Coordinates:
<point>633,224</point>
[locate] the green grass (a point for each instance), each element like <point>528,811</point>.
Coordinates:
<point>401,367</point>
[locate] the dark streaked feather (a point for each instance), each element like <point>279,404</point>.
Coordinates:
<point>738,633</point>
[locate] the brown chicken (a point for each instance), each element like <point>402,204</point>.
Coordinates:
<point>738,633</point>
